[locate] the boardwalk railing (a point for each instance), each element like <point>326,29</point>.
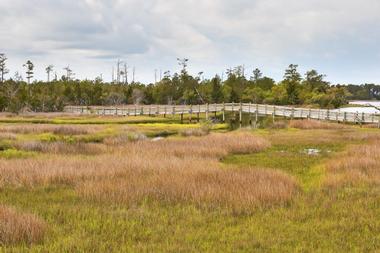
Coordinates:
<point>255,109</point>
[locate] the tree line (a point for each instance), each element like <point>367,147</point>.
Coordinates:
<point>310,89</point>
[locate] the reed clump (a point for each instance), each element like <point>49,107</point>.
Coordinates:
<point>315,124</point>
<point>20,228</point>
<point>239,191</point>
<point>359,165</point>
<point>61,147</point>
<point>180,170</point>
<point>50,128</point>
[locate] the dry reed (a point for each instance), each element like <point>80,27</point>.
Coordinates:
<point>60,147</point>
<point>239,191</point>
<point>315,124</point>
<point>201,131</point>
<point>7,136</point>
<point>123,138</point>
<point>173,170</point>
<point>48,128</point>
<point>17,227</point>
<point>359,165</point>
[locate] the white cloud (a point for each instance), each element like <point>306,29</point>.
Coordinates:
<point>338,37</point>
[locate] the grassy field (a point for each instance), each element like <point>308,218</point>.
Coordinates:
<point>138,184</point>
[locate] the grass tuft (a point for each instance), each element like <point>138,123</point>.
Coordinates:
<point>315,124</point>
<point>20,228</point>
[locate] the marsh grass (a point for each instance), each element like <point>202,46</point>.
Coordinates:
<point>17,227</point>
<point>315,124</point>
<point>47,128</point>
<point>238,191</point>
<point>16,154</point>
<point>359,165</point>
<point>185,170</point>
<point>59,147</point>
<point>247,191</point>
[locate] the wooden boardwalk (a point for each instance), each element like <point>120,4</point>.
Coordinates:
<point>255,110</point>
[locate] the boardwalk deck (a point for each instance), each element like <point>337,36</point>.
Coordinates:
<point>257,109</point>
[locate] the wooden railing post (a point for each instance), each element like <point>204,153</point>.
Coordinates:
<point>191,113</point>
<point>198,113</point>
<point>207,108</point>
<point>241,114</point>
<point>250,114</point>
<point>256,115</point>
<point>224,113</point>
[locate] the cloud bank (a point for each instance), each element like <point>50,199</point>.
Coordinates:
<point>339,38</point>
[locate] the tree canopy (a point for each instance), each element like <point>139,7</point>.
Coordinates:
<point>310,89</point>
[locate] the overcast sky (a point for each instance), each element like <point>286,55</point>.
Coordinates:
<point>339,38</point>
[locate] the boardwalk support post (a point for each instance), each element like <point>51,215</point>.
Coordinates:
<point>241,114</point>
<point>250,114</point>
<point>224,113</point>
<point>256,115</point>
<point>191,113</point>
<point>207,110</point>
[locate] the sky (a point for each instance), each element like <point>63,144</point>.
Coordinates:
<point>339,38</point>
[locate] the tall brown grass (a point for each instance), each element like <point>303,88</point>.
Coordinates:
<point>315,124</point>
<point>17,227</point>
<point>239,191</point>
<point>123,138</point>
<point>60,147</point>
<point>7,136</point>
<point>193,132</point>
<point>48,128</point>
<point>359,165</point>
<point>172,170</point>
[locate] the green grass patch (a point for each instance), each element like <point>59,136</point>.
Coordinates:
<point>294,157</point>
<point>334,222</point>
<point>14,153</point>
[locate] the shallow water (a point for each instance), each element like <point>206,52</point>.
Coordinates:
<point>374,103</point>
<point>358,109</point>
<point>361,109</point>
